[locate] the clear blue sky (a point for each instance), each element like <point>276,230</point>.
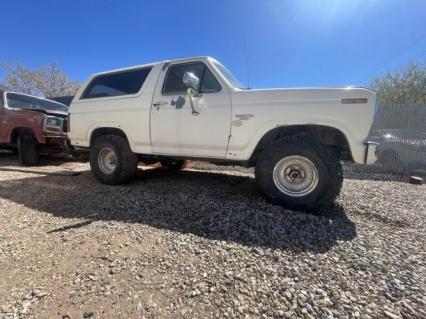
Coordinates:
<point>282,43</point>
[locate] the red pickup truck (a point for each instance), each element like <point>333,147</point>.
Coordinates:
<point>32,125</point>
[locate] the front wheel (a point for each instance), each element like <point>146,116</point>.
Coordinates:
<point>27,150</point>
<point>112,161</point>
<point>299,173</point>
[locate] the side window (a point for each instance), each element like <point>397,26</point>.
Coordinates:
<point>174,79</point>
<point>18,101</point>
<point>116,84</point>
<point>209,83</point>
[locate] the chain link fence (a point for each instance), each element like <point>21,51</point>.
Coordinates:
<point>401,132</point>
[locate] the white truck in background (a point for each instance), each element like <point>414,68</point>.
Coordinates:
<point>172,111</point>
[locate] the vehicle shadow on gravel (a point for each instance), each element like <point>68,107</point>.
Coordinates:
<point>205,204</point>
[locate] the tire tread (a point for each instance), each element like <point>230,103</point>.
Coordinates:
<point>326,154</point>
<point>128,161</point>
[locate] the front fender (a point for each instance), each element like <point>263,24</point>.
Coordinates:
<point>37,132</point>
<point>245,151</point>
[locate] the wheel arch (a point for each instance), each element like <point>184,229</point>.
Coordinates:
<point>324,134</point>
<point>16,131</point>
<point>101,131</point>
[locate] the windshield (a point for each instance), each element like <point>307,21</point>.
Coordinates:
<point>228,76</point>
<point>20,101</point>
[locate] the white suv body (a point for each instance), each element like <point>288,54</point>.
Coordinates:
<point>225,121</point>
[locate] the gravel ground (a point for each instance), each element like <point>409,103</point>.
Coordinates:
<point>203,243</point>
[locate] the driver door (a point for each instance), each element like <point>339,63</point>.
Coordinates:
<point>176,129</point>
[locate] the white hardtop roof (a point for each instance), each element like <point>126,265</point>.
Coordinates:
<point>153,64</point>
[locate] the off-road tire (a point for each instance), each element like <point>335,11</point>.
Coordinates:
<point>326,161</point>
<point>173,165</point>
<point>127,161</point>
<point>27,149</point>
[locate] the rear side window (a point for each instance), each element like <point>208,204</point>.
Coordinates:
<point>174,79</point>
<point>116,84</point>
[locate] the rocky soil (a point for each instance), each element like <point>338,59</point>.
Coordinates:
<point>202,243</point>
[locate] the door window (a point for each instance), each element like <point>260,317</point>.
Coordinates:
<point>174,79</point>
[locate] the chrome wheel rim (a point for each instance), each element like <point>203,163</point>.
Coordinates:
<point>295,176</point>
<point>107,160</point>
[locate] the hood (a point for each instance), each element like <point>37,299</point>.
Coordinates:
<point>304,95</point>
<point>56,112</point>
<point>49,112</point>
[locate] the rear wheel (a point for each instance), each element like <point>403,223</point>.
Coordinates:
<point>27,149</point>
<point>173,165</point>
<point>300,173</point>
<point>112,161</point>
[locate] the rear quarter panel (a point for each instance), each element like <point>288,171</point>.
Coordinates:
<point>130,113</point>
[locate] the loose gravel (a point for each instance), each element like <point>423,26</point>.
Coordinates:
<point>203,243</point>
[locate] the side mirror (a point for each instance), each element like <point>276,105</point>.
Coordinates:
<point>193,84</point>
<point>191,81</point>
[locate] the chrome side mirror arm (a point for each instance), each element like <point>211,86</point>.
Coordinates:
<point>191,95</point>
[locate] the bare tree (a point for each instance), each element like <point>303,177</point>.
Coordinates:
<point>19,78</point>
<point>47,80</point>
<point>406,86</point>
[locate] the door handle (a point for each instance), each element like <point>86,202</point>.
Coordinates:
<point>159,103</point>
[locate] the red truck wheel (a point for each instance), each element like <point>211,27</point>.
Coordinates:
<point>27,150</point>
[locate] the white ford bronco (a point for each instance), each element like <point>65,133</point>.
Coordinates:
<point>194,108</point>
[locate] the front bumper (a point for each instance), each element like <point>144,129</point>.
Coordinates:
<point>370,156</point>
<point>58,135</point>
<point>57,142</point>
